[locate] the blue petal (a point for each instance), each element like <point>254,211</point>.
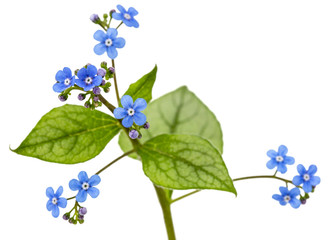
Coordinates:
<point>271,164</point>
<point>297,180</point>
<point>272,153</point>
<point>121,9</point>
<point>289,160</point>
<point>88,87</point>
<point>67,72</point>
<point>94,180</point>
<point>284,191</point>
<point>59,87</point>
<point>112,33</point>
<point>93,191</point>
<point>132,11</point>
<point>59,192</point>
<point>295,203</point>
<point>60,76</point>
<point>81,196</point>
<point>112,52</point>
<point>97,80</point>
<point>49,205</point>
<point>282,168</point>
<point>294,192</point>
<point>75,185</point>
<point>134,23</point>
<point>55,211</point>
<point>312,169</point>
<point>62,202</point>
<point>128,23</point>
<point>126,101</point>
<point>139,105</point>
<point>315,180</point>
<point>127,121</point>
<point>83,177</point>
<point>277,197</point>
<point>100,36</point>
<point>82,74</point>
<point>307,187</point>
<point>119,42</point>
<point>119,113</point>
<point>301,169</point>
<point>139,118</point>
<point>283,202</point>
<point>80,83</point>
<point>117,16</point>
<point>100,48</point>
<point>282,150</point>
<point>50,192</point>
<point>92,71</point>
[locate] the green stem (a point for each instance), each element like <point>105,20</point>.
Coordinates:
<point>119,25</point>
<point>106,103</point>
<point>165,203</point>
<point>187,195</point>
<point>115,82</point>
<point>114,161</point>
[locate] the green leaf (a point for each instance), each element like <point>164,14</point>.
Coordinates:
<point>179,112</point>
<point>69,134</point>
<point>184,162</point>
<point>143,87</point>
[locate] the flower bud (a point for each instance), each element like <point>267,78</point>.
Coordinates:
<point>112,11</point>
<point>140,136</point>
<point>82,211</point>
<point>80,217</point>
<point>94,18</point>
<point>101,72</point>
<point>106,90</point>
<point>96,90</point>
<point>111,69</point>
<point>96,98</point>
<point>103,65</point>
<point>103,83</point>
<point>87,104</point>
<point>81,97</point>
<point>66,216</point>
<point>62,97</point>
<point>134,134</point>
<point>105,15</point>
<point>146,125</point>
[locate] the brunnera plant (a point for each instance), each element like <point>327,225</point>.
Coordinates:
<point>176,137</point>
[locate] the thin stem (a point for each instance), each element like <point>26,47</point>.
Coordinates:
<point>119,25</point>
<point>114,161</point>
<point>106,103</point>
<point>71,198</point>
<point>186,195</point>
<point>165,203</point>
<point>115,82</point>
<point>262,176</point>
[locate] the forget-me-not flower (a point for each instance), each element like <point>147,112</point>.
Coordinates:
<point>64,80</point>
<point>306,178</point>
<point>126,16</point>
<point>55,201</point>
<point>288,197</point>
<point>88,78</point>
<point>85,185</point>
<point>108,42</point>
<point>279,159</point>
<point>130,112</point>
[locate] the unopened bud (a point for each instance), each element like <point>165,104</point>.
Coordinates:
<point>134,134</point>
<point>94,18</point>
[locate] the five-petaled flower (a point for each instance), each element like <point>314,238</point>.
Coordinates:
<point>55,201</point>
<point>64,80</point>
<point>108,42</point>
<point>88,78</point>
<point>126,16</point>
<point>288,197</point>
<point>85,186</point>
<point>279,159</point>
<point>131,111</point>
<point>306,178</point>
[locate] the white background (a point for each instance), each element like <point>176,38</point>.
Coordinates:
<point>265,68</point>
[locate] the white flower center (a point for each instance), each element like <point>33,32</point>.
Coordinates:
<point>88,80</point>
<point>306,177</point>
<point>85,186</point>
<point>279,159</point>
<point>54,200</point>
<point>287,198</point>
<point>127,16</point>
<point>130,111</point>
<point>67,82</point>
<point>108,42</point>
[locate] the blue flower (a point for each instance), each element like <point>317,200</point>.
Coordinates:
<point>306,178</point>
<point>288,197</point>
<point>55,201</point>
<point>88,78</point>
<point>64,80</point>
<point>108,42</point>
<point>279,159</point>
<point>85,186</point>
<point>126,16</point>
<point>131,112</point>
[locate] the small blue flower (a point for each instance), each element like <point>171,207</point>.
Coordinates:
<point>88,78</point>
<point>108,42</point>
<point>288,197</point>
<point>55,201</point>
<point>131,112</point>
<point>85,186</point>
<point>306,178</point>
<point>64,80</point>
<point>126,16</point>
<point>279,159</point>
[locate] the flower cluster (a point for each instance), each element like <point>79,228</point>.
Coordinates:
<point>306,178</point>
<point>84,185</point>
